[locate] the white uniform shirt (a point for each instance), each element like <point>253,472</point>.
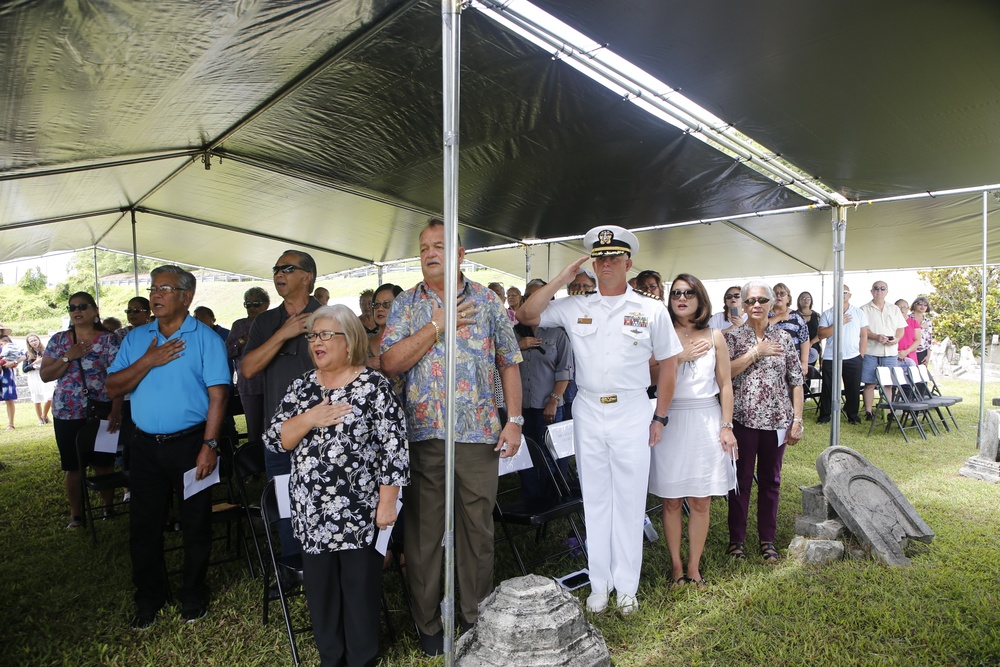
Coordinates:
<point>852,333</point>
<point>612,344</point>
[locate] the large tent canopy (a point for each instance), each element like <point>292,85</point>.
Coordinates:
<point>220,132</point>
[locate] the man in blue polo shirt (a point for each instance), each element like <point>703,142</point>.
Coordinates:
<point>175,368</point>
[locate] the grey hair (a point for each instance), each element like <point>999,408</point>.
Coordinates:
<point>185,279</point>
<point>756,284</point>
<point>587,272</point>
<point>257,293</point>
<point>357,341</point>
<point>920,299</point>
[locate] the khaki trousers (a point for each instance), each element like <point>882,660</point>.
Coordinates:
<point>476,467</point>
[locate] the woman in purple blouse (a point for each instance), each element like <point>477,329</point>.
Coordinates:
<point>767,415</point>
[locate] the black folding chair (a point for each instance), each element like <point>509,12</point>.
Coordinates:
<point>86,439</point>
<point>287,572</point>
<point>927,389</point>
<point>534,514</point>
<point>893,402</point>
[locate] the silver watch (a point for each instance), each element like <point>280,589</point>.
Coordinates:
<point>212,443</point>
<point>519,420</point>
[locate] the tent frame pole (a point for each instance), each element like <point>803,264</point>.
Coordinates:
<point>982,328</point>
<point>451,24</point>
<point>135,255</point>
<point>839,236</point>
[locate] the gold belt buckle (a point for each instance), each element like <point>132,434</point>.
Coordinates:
<point>609,399</point>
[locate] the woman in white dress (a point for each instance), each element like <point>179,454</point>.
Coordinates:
<point>693,458</point>
<point>41,392</point>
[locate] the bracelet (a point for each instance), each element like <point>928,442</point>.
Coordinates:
<point>559,399</point>
<point>726,425</point>
<point>797,419</point>
<point>437,332</point>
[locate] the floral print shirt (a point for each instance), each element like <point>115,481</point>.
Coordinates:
<point>487,344</point>
<point>337,470</point>
<point>926,335</point>
<point>69,400</point>
<point>761,392</point>
<point>796,328</point>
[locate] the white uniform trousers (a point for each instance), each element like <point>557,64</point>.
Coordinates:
<point>612,453</point>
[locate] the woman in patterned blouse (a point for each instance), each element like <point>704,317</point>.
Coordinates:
<point>346,432</point>
<point>767,414</point>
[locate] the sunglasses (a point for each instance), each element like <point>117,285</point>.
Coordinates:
<point>780,293</point>
<point>686,293</point>
<point>756,299</point>
<point>136,311</point>
<point>323,335</point>
<point>381,304</point>
<point>286,268</point>
<point>252,304</point>
<point>734,295</point>
<point>80,306</point>
<point>880,289</point>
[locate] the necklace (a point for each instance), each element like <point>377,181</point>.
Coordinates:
<point>334,382</point>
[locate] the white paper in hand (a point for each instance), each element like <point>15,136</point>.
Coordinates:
<point>193,486</point>
<point>106,442</point>
<point>281,495</point>
<point>382,538</point>
<point>520,461</point>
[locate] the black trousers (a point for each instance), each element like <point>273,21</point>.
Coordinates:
<point>852,391</point>
<point>157,471</point>
<point>344,589</point>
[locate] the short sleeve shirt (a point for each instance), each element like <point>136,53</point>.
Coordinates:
<point>69,400</point>
<point>544,366</point>
<point>483,346</point>
<point>174,397</point>
<point>291,361</point>
<point>883,322</point>
<point>613,338</point>
<point>852,333</point>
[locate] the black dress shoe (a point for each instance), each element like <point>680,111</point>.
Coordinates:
<point>192,611</point>
<point>853,420</point>
<point>823,420</point>
<point>432,645</point>
<point>869,416</point>
<point>144,617</point>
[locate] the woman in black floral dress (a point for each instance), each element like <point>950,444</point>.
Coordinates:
<point>347,435</point>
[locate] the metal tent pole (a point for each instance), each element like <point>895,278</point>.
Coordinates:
<point>982,332</point>
<point>135,256</point>
<point>839,234</point>
<point>451,24</point>
<point>97,282</point>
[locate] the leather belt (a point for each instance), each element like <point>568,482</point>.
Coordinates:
<point>168,437</point>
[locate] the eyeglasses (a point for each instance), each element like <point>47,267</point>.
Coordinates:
<point>756,299</point>
<point>286,268</point>
<point>734,295</point>
<point>381,304</point>
<point>252,304</point>
<point>780,293</point>
<point>880,289</point>
<point>136,311</point>
<point>686,293</point>
<point>323,335</point>
<point>580,287</point>
<point>165,289</point>
<point>649,287</point>
<point>80,306</point>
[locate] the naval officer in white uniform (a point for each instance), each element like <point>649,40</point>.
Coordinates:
<point>622,340</point>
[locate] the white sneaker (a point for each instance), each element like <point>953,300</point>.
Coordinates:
<point>597,602</point>
<point>627,604</point>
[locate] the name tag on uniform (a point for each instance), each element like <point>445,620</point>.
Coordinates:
<point>584,320</point>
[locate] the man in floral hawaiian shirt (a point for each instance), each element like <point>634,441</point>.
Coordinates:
<point>414,348</point>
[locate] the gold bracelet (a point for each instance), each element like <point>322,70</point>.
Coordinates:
<point>437,332</point>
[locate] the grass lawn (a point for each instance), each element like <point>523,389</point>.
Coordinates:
<point>66,602</point>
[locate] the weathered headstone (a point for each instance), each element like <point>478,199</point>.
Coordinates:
<point>818,520</point>
<point>986,465</point>
<point>531,622</point>
<point>870,504</point>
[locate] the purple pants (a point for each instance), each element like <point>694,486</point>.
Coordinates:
<point>762,447</point>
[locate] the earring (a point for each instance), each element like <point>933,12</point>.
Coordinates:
<point>97,319</point>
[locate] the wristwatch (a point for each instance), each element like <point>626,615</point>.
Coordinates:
<point>663,420</point>
<point>64,359</point>
<point>212,443</point>
<point>519,420</point>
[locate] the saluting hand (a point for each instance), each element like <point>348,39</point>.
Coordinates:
<point>571,271</point>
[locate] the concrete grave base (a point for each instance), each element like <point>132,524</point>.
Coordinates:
<point>531,622</point>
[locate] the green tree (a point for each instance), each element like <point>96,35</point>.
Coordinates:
<point>33,281</point>
<point>957,302</point>
<point>81,267</point>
